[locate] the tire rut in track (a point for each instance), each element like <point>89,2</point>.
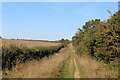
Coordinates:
<point>76,73</point>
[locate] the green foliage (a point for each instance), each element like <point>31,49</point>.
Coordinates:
<point>100,39</point>
<point>13,55</point>
<point>65,42</point>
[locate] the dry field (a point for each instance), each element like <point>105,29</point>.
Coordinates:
<point>29,44</point>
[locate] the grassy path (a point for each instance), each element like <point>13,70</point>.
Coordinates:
<point>67,71</point>
<point>70,68</point>
<point>76,72</point>
<point>87,67</point>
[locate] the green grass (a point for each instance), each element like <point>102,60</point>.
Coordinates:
<point>67,70</point>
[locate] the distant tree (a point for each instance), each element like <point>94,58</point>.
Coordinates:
<point>65,42</point>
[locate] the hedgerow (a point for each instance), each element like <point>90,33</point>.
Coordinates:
<point>100,39</point>
<point>13,55</point>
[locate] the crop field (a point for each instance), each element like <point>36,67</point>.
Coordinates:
<point>29,44</point>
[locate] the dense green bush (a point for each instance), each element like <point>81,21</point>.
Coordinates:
<point>100,39</point>
<point>13,55</point>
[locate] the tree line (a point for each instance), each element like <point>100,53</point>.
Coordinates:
<point>64,42</point>
<point>100,39</point>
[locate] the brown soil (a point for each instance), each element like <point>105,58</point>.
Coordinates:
<point>76,73</point>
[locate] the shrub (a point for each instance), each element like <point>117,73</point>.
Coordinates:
<point>13,55</point>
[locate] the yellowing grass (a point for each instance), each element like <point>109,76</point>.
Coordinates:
<point>45,68</point>
<point>90,68</point>
<point>29,44</point>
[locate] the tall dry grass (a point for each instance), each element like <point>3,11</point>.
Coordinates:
<point>90,68</point>
<point>45,68</point>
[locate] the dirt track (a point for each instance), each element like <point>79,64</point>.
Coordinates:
<point>76,72</point>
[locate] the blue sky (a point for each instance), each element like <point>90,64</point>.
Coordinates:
<point>50,20</point>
